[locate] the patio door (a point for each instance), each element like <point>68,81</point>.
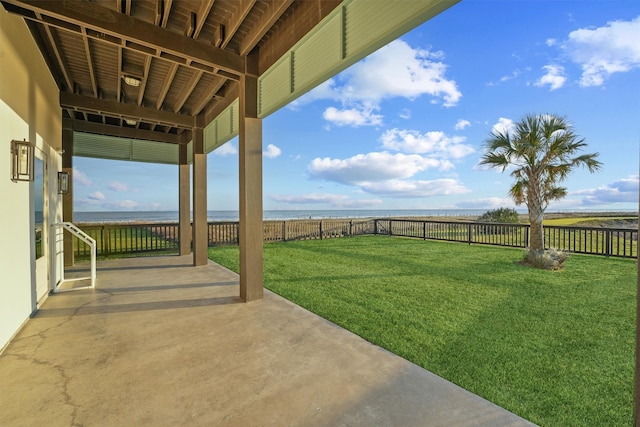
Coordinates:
<point>41,225</point>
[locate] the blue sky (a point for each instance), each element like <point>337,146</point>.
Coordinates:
<point>405,127</point>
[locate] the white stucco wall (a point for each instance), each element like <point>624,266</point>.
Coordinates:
<point>29,109</point>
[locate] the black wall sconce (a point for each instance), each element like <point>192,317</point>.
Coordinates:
<point>63,182</point>
<point>22,161</point>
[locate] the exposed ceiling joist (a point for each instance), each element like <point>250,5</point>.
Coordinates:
<point>121,132</point>
<point>244,7</point>
<point>62,63</point>
<point>274,12</point>
<point>108,25</point>
<point>119,109</point>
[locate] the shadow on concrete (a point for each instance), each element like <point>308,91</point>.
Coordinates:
<point>135,307</point>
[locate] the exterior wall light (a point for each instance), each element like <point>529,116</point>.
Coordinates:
<point>63,182</point>
<point>22,161</point>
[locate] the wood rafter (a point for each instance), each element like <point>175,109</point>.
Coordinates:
<point>236,20</point>
<point>275,9</point>
<point>62,63</point>
<point>119,109</point>
<point>108,25</point>
<point>92,74</point>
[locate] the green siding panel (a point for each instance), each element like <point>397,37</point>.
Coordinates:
<point>101,147</point>
<point>154,152</point>
<point>275,86</point>
<point>321,51</point>
<point>222,128</point>
<point>113,148</point>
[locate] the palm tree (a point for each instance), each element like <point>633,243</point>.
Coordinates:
<point>542,149</point>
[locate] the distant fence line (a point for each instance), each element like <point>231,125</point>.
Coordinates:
<point>122,239</point>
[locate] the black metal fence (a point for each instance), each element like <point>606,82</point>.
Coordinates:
<point>617,242</point>
<point>123,239</point>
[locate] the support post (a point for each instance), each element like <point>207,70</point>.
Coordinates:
<point>251,229</point>
<point>67,199</point>
<point>200,232</point>
<point>184,203</point>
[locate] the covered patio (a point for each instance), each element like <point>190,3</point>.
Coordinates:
<point>160,342</point>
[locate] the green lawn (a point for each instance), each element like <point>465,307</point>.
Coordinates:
<point>556,348</point>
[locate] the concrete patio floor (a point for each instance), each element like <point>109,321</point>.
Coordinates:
<point>162,343</point>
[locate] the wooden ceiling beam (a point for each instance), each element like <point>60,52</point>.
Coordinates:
<point>62,63</point>
<point>166,10</point>
<point>119,109</point>
<point>120,132</point>
<point>111,26</point>
<point>92,73</point>
<point>173,69</point>
<point>191,85</point>
<point>206,97</point>
<point>201,16</point>
<point>232,26</point>
<point>274,11</point>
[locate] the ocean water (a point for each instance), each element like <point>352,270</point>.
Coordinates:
<point>172,216</point>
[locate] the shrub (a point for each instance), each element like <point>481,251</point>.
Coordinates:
<point>551,259</point>
<point>504,215</point>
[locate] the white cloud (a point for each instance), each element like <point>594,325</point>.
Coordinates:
<point>415,188</point>
<point>335,200</point>
<point>551,42</point>
<point>511,76</point>
<point>80,178</point>
<point>226,149</point>
<point>371,167</point>
<point>603,51</point>
<point>624,190</point>
<point>487,203</point>
<point>386,174</point>
<point>401,70</point>
<point>461,124</point>
<point>356,117</point>
<point>396,70</point>
<point>554,77</point>
<point>436,143</point>
<point>503,126</point>
<point>97,195</point>
<point>405,113</point>
<point>118,186</point>
<point>272,151</point>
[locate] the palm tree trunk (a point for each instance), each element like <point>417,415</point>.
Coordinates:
<point>536,236</point>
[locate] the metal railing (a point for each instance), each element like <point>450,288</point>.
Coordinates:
<point>124,239</point>
<point>86,240</point>
<point>616,242</point>
<point>129,239</point>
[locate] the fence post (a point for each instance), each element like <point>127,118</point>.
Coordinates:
<point>320,229</point>
<point>284,231</point>
<point>375,227</point>
<point>469,233</point>
<point>106,241</point>
<point>350,228</point>
<point>424,230</point>
<point>526,235</point>
<point>390,227</point>
<point>607,243</point>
